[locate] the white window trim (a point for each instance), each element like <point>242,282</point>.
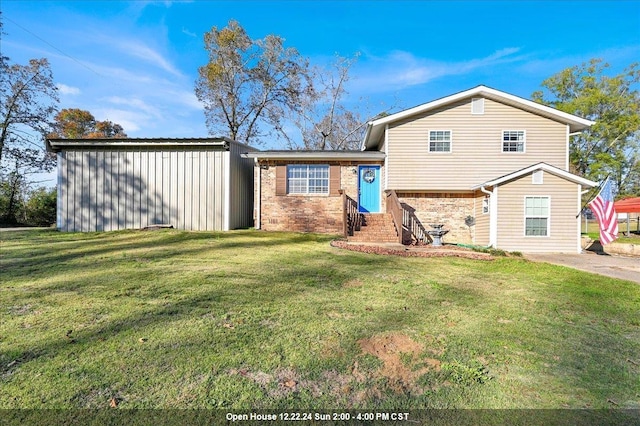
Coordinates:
<point>450,141</point>
<point>524,221</point>
<point>524,142</point>
<point>310,194</point>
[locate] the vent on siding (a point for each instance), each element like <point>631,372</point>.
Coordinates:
<point>537,177</point>
<point>477,105</point>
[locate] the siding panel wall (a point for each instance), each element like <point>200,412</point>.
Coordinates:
<point>104,190</point>
<point>476,146</point>
<point>481,236</point>
<point>563,222</point>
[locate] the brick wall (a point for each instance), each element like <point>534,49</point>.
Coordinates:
<point>304,213</point>
<point>449,209</point>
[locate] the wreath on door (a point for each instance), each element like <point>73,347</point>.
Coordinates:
<point>369,175</point>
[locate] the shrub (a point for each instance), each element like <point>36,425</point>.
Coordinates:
<point>40,209</point>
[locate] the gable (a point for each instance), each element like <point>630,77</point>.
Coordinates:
<point>540,167</point>
<point>374,135</point>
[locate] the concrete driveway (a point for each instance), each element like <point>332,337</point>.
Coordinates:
<point>623,267</point>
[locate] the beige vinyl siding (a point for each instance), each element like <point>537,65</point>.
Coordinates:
<point>481,231</point>
<point>476,144</point>
<point>105,190</point>
<point>562,215</point>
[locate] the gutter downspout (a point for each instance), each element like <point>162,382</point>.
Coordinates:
<point>259,195</point>
<point>493,215</point>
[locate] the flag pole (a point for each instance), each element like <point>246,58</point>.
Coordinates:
<point>591,197</point>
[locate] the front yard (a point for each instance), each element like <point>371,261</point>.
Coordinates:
<point>249,320</point>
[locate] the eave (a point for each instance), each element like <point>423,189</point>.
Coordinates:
<point>317,155</point>
<point>535,167</point>
<point>59,144</point>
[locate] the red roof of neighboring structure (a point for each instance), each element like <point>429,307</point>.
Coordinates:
<point>628,205</point>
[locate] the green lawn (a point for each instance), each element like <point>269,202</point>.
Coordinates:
<point>249,319</point>
<point>591,229</point>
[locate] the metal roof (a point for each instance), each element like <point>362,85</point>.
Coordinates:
<point>58,144</point>
<point>628,205</point>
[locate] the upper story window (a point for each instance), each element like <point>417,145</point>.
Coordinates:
<point>513,140</point>
<point>440,141</point>
<point>308,179</point>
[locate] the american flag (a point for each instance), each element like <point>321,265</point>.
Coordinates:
<point>602,207</point>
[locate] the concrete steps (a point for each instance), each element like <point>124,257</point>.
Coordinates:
<point>376,228</point>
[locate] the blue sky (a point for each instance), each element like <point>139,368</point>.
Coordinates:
<point>136,62</point>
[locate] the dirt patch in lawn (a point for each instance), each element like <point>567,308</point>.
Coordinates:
<point>354,283</point>
<point>402,360</point>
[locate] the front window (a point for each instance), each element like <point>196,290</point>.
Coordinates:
<point>536,212</point>
<point>440,141</point>
<point>307,179</point>
<point>513,140</point>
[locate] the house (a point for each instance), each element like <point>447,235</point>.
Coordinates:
<point>489,166</point>
<point>192,184</point>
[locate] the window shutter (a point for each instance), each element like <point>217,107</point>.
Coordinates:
<point>281,180</point>
<point>334,180</point>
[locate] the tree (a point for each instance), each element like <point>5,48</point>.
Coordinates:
<point>74,123</point>
<point>40,209</point>
<point>320,116</point>
<point>249,86</point>
<point>323,120</point>
<point>108,129</point>
<point>13,188</point>
<point>610,146</point>
<point>28,99</point>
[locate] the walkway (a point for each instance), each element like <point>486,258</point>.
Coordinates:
<point>622,267</point>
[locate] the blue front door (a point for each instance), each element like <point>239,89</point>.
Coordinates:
<point>369,189</point>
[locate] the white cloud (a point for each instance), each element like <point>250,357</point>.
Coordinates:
<point>67,90</point>
<point>400,70</point>
<point>186,98</point>
<point>135,103</point>
<point>189,33</point>
<point>129,120</point>
<point>144,52</point>
<point>550,63</point>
